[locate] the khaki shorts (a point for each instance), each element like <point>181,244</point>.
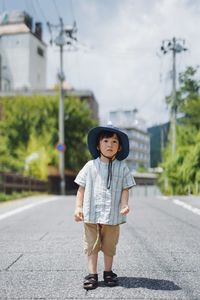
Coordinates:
<point>100,237</point>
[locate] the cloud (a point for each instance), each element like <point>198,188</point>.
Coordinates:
<point>124,66</point>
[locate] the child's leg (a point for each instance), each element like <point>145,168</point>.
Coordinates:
<point>110,278</point>
<point>110,236</point>
<point>108,262</point>
<point>92,263</point>
<point>92,246</point>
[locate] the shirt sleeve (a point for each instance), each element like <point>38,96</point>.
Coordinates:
<point>82,175</point>
<point>128,179</point>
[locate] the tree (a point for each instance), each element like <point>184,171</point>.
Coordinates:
<point>29,124</point>
<point>190,105</point>
<point>181,171</point>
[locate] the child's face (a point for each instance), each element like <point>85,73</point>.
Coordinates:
<point>109,146</point>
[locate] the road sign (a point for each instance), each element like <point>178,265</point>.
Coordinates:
<point>61,147</point>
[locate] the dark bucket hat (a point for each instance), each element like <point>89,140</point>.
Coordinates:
<point>94,133</point>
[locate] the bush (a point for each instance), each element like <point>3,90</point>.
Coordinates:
<point>14,196</point>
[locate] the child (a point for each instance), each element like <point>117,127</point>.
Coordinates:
<point>102,199</point>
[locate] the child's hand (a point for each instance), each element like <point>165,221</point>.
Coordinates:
<point>125,210</point>
<point>78,214</point>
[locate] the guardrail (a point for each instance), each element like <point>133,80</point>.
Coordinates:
<point>145,178</point>
<point>12,182</point>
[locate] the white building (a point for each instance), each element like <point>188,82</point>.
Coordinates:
<point>138,137</point>
<point>22,53</point>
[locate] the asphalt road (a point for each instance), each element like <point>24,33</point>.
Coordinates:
<point>41,255</point>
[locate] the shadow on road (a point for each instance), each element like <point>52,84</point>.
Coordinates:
<point>148,283</point>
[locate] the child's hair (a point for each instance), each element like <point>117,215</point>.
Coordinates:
<point>107,134</point>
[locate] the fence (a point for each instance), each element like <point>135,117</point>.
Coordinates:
<point>12,182</point>
<point>145,179</point>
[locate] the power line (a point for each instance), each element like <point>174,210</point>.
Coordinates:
<point>41,11</point>
<point>32,7</point>
<point>56,7</point>
<point>72,9</point>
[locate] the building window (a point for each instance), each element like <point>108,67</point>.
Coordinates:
<point>40,51</point>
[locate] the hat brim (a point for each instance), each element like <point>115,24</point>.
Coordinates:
<point>93,135</point>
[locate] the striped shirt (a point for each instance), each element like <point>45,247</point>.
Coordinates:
<point>102,205</point>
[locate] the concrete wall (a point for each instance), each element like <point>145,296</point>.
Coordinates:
<point>22,67</point>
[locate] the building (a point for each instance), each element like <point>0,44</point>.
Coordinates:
<point>83,95</point>
<point>23,58</point>
<point>158,140</point>
<point>135,128</point>
<point>23,61</point>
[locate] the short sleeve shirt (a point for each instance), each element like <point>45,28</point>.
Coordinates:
<point>102,205</point>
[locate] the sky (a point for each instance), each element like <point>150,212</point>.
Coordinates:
<point>118,55</point>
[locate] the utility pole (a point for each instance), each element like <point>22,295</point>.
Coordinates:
<point>65,37</point>
<point>176,46</point>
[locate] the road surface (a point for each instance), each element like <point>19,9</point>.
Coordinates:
<point>41,255</point>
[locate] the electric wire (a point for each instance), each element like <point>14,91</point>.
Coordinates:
<point>56,8</point>
<point>72,9</point>
<point>41,11</point>
<point>32,8</point>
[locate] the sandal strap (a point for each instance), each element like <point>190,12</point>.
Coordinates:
<point>110,276</point>
<point>91,277</point>
<point>90,281</point>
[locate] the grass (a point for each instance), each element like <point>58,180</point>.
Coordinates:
<point>14,196</point>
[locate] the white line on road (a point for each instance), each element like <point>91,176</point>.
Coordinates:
<point>187,206</point>
<point>25,207</point>
<point>162,197</point>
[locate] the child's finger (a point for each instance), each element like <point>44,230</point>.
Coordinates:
<point>81,216</point>
<point>124,210</point>
<point>78,216</point>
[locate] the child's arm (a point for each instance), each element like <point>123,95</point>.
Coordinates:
<point>78,214</point>
<point>124,202</point>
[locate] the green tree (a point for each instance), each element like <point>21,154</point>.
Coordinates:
<point>29,129</point>
<point>189,89</point>
<point>182,169</point>
<point>77,123</point>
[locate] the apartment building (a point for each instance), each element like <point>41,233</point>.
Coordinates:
<point>23,57</point>
<point>139,138</point>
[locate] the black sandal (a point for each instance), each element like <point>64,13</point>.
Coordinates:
<point>110,278</point>
<point>90,282</point>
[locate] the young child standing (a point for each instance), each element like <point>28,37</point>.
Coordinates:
<point>102,199</point>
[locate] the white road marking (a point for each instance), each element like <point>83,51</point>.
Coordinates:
<point>25,207</point>
<point>162,197</point>
<point>187,206</point>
